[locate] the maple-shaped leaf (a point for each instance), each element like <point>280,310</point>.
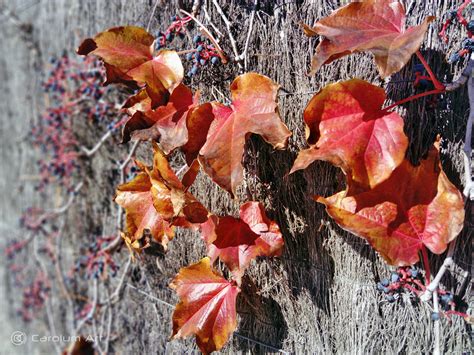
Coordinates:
<point>206,308</point>
<point>413,208</point>
<point>254,109</point>
<point>127,53</point>
<point>238,241</point>
<point>376,26</point>
<point>346,126</point>
<point>141,216</point>
<point>170,198</point>
<point>121,49</point>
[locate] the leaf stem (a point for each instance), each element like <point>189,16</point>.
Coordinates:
<point>412,98</point>
<point>436,82</point>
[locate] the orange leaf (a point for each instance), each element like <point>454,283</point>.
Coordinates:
<point>121,48</point>
<point>170,198</point>
<point>141,216</point>
<point>414,207</point>
<point>127,53</point>
<point>206,308</point>
<point>161,74</point>
<point>254,109</point>
<point>198,122</point>
<point>238,241</point>
<point>377,26</point>
<point>346,126</point>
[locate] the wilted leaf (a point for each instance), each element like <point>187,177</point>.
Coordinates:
<point>346,126</point>
<point>254,109</point>
<point>135,246</point>
<point>206,308</point>
<point>141,216</point>
<point>414,207</point>
<point>166,124</point>
<point>170,198</point>
<point>238,241</point>
<point>182,122</point>
<point>377,26</point>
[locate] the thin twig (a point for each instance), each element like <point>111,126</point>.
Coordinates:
<point>229,32</point>
<point>196,7</point>
<point>150,296</point>
<point>116,294</point>
<point>209,20</point>
<point>49,311</point>
<point>61,277</point>
<point>436,348</point>
<point>209,35</point>
<point>244,54</point>
<point>94,149</point>
<point>91,312</point>
<point>433,286</point>
<point>109,327</point>
<point>151,15</point>
<point>59,210</point>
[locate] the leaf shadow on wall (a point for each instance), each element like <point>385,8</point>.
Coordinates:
<point>305,259</point>
<point>260,317</point>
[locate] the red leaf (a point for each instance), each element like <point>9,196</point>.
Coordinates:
<point>377,26</point>
<point>346,126</point>
<point>415,206</point>
<point>238,241</point>
<point>254,109</point>
<point>206,307</point>
<point>141,216</point>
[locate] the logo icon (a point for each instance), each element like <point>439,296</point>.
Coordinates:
<point>18,338</point>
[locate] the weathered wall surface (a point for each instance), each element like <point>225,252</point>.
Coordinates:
<point>320,296</point>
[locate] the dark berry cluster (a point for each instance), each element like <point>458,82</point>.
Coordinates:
<point>59,147</point>
<point>73,89</point>
<point>203,54</point>
<point>176,29</point>
<point>96,262</point>
<point>34,297</point>
<point>403,279</point>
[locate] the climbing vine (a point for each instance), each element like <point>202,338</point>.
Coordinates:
<point>402,210</point>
